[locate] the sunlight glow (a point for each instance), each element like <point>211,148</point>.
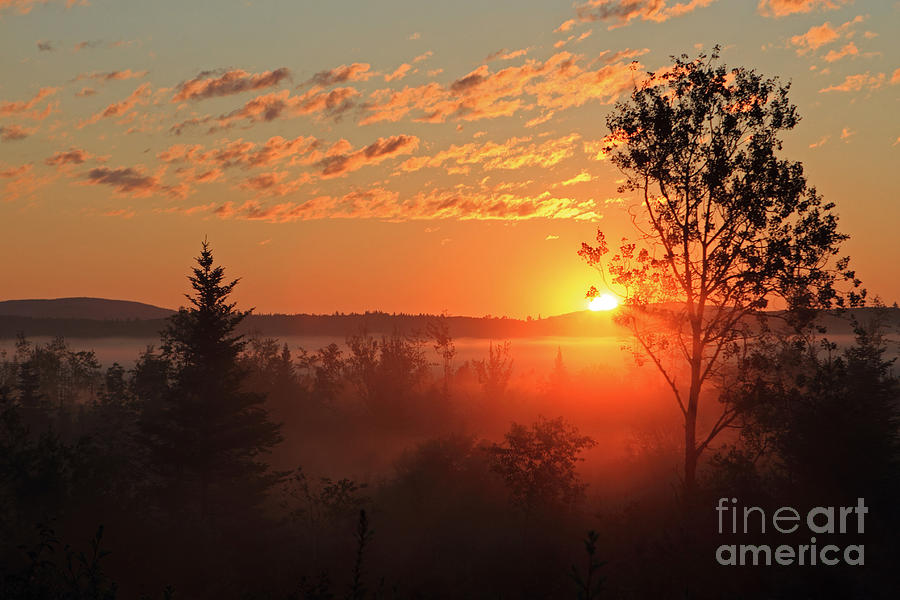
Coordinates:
<point>603,302</point>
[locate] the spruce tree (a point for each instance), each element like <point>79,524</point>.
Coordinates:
<point>208,437</point>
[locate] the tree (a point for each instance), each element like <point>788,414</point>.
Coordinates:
<point>210,431</point>
<point>439,332</point>
<point>724,226</point>
<point>828,425</point>
<point>538,463</point>
<point>495,371</point>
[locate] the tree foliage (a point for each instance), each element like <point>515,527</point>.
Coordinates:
<point>538,463</point>
<point>725,225</point>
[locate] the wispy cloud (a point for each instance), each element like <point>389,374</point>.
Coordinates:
<point>73,156</point>
<point>277,105</point>
<point>210,84</point>
<point>23,7</point>
<point>118,109</point>
<point>374,153</point>
<point>622,12</point>
<point>126,181</point>
<point>20,107</point>
<point>399,73</point>
<point>12,133</point>
<point>822,35</point>
<point>555,84</point>
<point>512,154</point>
<point>505,54</point>
<point>342,74</point>
<point>855,83</point>
<point>111,75</point>
<point>383,204</point>
<point>783,8</point>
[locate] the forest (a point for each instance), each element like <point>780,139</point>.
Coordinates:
<point>228,467</point>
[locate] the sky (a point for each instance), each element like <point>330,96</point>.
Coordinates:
<point>395,155</point>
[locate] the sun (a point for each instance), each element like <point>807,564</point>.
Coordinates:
<point>604,302</point>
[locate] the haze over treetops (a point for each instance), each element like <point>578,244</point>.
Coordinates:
<point>400,156</point>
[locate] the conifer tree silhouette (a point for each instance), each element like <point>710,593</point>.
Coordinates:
<point>208,436</point>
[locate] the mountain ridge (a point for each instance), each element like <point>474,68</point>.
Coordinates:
<point>99,317</point>
<point>82,307</point>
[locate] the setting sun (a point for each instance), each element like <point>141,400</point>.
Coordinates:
<point>604,302</point>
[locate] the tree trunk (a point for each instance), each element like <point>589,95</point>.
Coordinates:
<point>690,455</point>
<point>690,422</point>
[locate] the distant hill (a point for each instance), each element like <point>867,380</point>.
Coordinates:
<point>96,318</point>
<point>82,308</point>
<point>99,318</point>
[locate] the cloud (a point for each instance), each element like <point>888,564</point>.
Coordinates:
<point>240,153</point>
<point>399,73</point>
<point>847,133</point>
<point>561,43</point>
<point>18,108</point>
<point>821,142</point>
<point>281,104</point>
<point>376,152</point>
<point>513,154</point>
<point>835,55</point>
<point>567,85</point>
<point>565,26</point>
<point>276,105</point>
<point>505,54</point>
<point>210,84</point>
<point>341,74</point>
<point>585,35</point>
<point>580,178</point>
<point>783,8</point>
<point>122,213</point>
<point>626,54</point>
<point>275,183</point>
<point>190,175</point>
<point>895,78</point>
<point>73,156</point>
<point>557,83</point>
<point>20,182</point>
<point>24,7</point>
<point>11,133</point>
<point>12,172</point>
<point>130,181</point>
<point>85,92</point>
<point>87,45</point>
<point>111,75</point>
<point>383,204</point>
<point>423,56</point>
<point>622,12</point>
<point>855,83</point>
<point>119,109</point>
<point>814,38</point>
<point>821,35</point>
<point>45,46</point>
<point>551,237</point>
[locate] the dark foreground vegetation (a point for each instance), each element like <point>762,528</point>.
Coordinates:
<point>222,467</point>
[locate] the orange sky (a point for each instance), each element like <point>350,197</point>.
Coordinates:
<point>396,155</point>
